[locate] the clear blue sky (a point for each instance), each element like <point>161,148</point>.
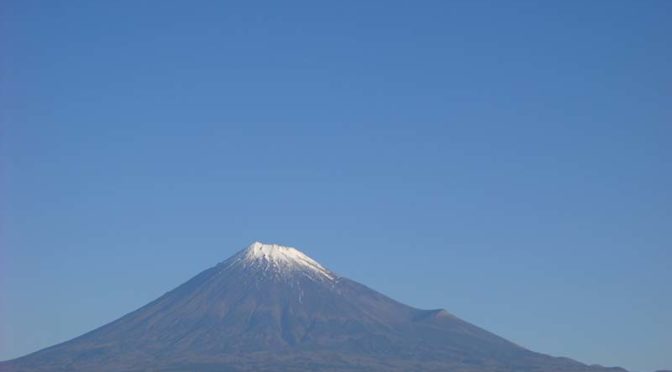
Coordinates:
<point>511,163</point>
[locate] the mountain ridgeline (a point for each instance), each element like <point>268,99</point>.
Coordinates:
<point>272,308</point>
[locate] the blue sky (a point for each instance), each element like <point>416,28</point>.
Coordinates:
<point>511,163</point>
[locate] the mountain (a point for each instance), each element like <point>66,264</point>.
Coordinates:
<point>272,308</point>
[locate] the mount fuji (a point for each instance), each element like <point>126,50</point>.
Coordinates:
<point>273,308</point>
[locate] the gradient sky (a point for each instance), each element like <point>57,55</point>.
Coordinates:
<point>511,163</point>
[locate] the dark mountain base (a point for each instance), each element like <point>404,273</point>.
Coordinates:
<point>300,362</point>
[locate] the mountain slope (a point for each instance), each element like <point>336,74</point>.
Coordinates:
<point>271,307</point>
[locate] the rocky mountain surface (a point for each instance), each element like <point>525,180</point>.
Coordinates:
<point>272,308</point>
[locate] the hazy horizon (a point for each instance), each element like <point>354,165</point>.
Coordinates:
<point>509,163</point>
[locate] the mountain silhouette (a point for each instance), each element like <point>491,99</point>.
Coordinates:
<point>272,308</point>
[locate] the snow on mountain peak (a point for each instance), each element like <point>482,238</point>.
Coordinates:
<point>281,258</point>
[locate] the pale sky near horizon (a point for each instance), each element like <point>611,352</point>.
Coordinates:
<point>511,163</point>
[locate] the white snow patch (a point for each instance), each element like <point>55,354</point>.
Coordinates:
<point>282,259</point>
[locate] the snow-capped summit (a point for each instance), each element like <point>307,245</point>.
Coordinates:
<point>281,259</point>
